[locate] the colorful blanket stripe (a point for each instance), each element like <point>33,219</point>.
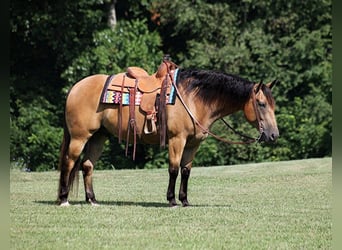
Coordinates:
<point>114,97</point>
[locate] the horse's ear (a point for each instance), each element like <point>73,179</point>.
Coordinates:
<point>271,84</point>
<point>258,87</point>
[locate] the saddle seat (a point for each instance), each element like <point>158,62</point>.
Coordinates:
<point>136,72</point>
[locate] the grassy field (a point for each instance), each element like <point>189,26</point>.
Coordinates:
<point>283,205</point>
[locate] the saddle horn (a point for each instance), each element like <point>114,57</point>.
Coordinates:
<point>166,66</point>
<point>167,57</point>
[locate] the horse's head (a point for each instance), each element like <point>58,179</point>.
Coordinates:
<point>259,111</point>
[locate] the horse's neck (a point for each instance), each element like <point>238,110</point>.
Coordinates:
<point>208,114</point>
<point>228,108</point>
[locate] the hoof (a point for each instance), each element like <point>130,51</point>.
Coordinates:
<point>93,202</point>
<point>64,204</point>
<point>173,203</point>
<point>185,203</point>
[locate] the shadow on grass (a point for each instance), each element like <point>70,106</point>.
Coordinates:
<point>131,203</point>
<point>110,203</point>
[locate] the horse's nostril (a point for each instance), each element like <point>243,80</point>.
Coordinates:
<point>274,137</point>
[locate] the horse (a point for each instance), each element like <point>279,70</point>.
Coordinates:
<point>202,97</point>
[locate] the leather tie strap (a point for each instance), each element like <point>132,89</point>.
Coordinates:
<point>132,122</point>
<point>162,112</point>
<point>120,111</point>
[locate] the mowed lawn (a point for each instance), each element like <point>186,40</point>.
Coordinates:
<point>279,205</point>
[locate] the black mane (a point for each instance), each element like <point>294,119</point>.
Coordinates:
<point>213,86</point>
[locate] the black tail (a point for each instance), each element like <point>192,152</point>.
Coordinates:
<point>64,147</point>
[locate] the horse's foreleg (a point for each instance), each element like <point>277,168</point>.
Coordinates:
<point>176,146</point>
<point>186,164</point>
<point>170,195</point>
<point>183,190</point>
<point>93,151</point>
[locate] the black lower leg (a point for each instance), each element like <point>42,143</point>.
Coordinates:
<point>170,195</point>
<point>90,198</point>
<point>183,191</point>
<point>63,190</point>
<point>88,184</point>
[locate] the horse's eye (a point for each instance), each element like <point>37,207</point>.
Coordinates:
<point>262,104</point>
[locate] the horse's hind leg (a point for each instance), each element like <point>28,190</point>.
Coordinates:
<point>68,170</point>
<point>93,151</point>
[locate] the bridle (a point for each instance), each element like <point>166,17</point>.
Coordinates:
<point>207,131</point>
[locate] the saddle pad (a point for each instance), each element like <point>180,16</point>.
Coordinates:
<point>114,97</point>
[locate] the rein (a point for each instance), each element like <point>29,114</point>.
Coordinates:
<point>206,130</point>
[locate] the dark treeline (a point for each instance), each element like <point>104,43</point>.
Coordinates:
<point>56,43</point>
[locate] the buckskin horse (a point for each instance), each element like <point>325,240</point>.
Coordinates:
<point>200,98</point>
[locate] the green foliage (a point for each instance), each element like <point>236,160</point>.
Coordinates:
<point>130,43</point>
<point>45,37</point>
<point>209,154</point>
<point>35,140</point>
<point>156,158</point>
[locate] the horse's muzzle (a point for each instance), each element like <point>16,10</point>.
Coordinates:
<point>268,138</point>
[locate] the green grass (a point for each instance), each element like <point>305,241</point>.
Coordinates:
<point>282,205</point>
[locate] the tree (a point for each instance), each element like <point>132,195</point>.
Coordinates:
<point>34,138</point>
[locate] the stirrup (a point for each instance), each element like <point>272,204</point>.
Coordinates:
<point>150,125</point>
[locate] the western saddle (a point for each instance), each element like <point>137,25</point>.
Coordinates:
<point>153,91</point>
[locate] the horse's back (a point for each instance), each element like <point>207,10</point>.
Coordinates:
<point>87,86</point>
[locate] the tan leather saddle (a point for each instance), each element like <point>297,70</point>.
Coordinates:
<point>148,85</point>
<point>135,80</point>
